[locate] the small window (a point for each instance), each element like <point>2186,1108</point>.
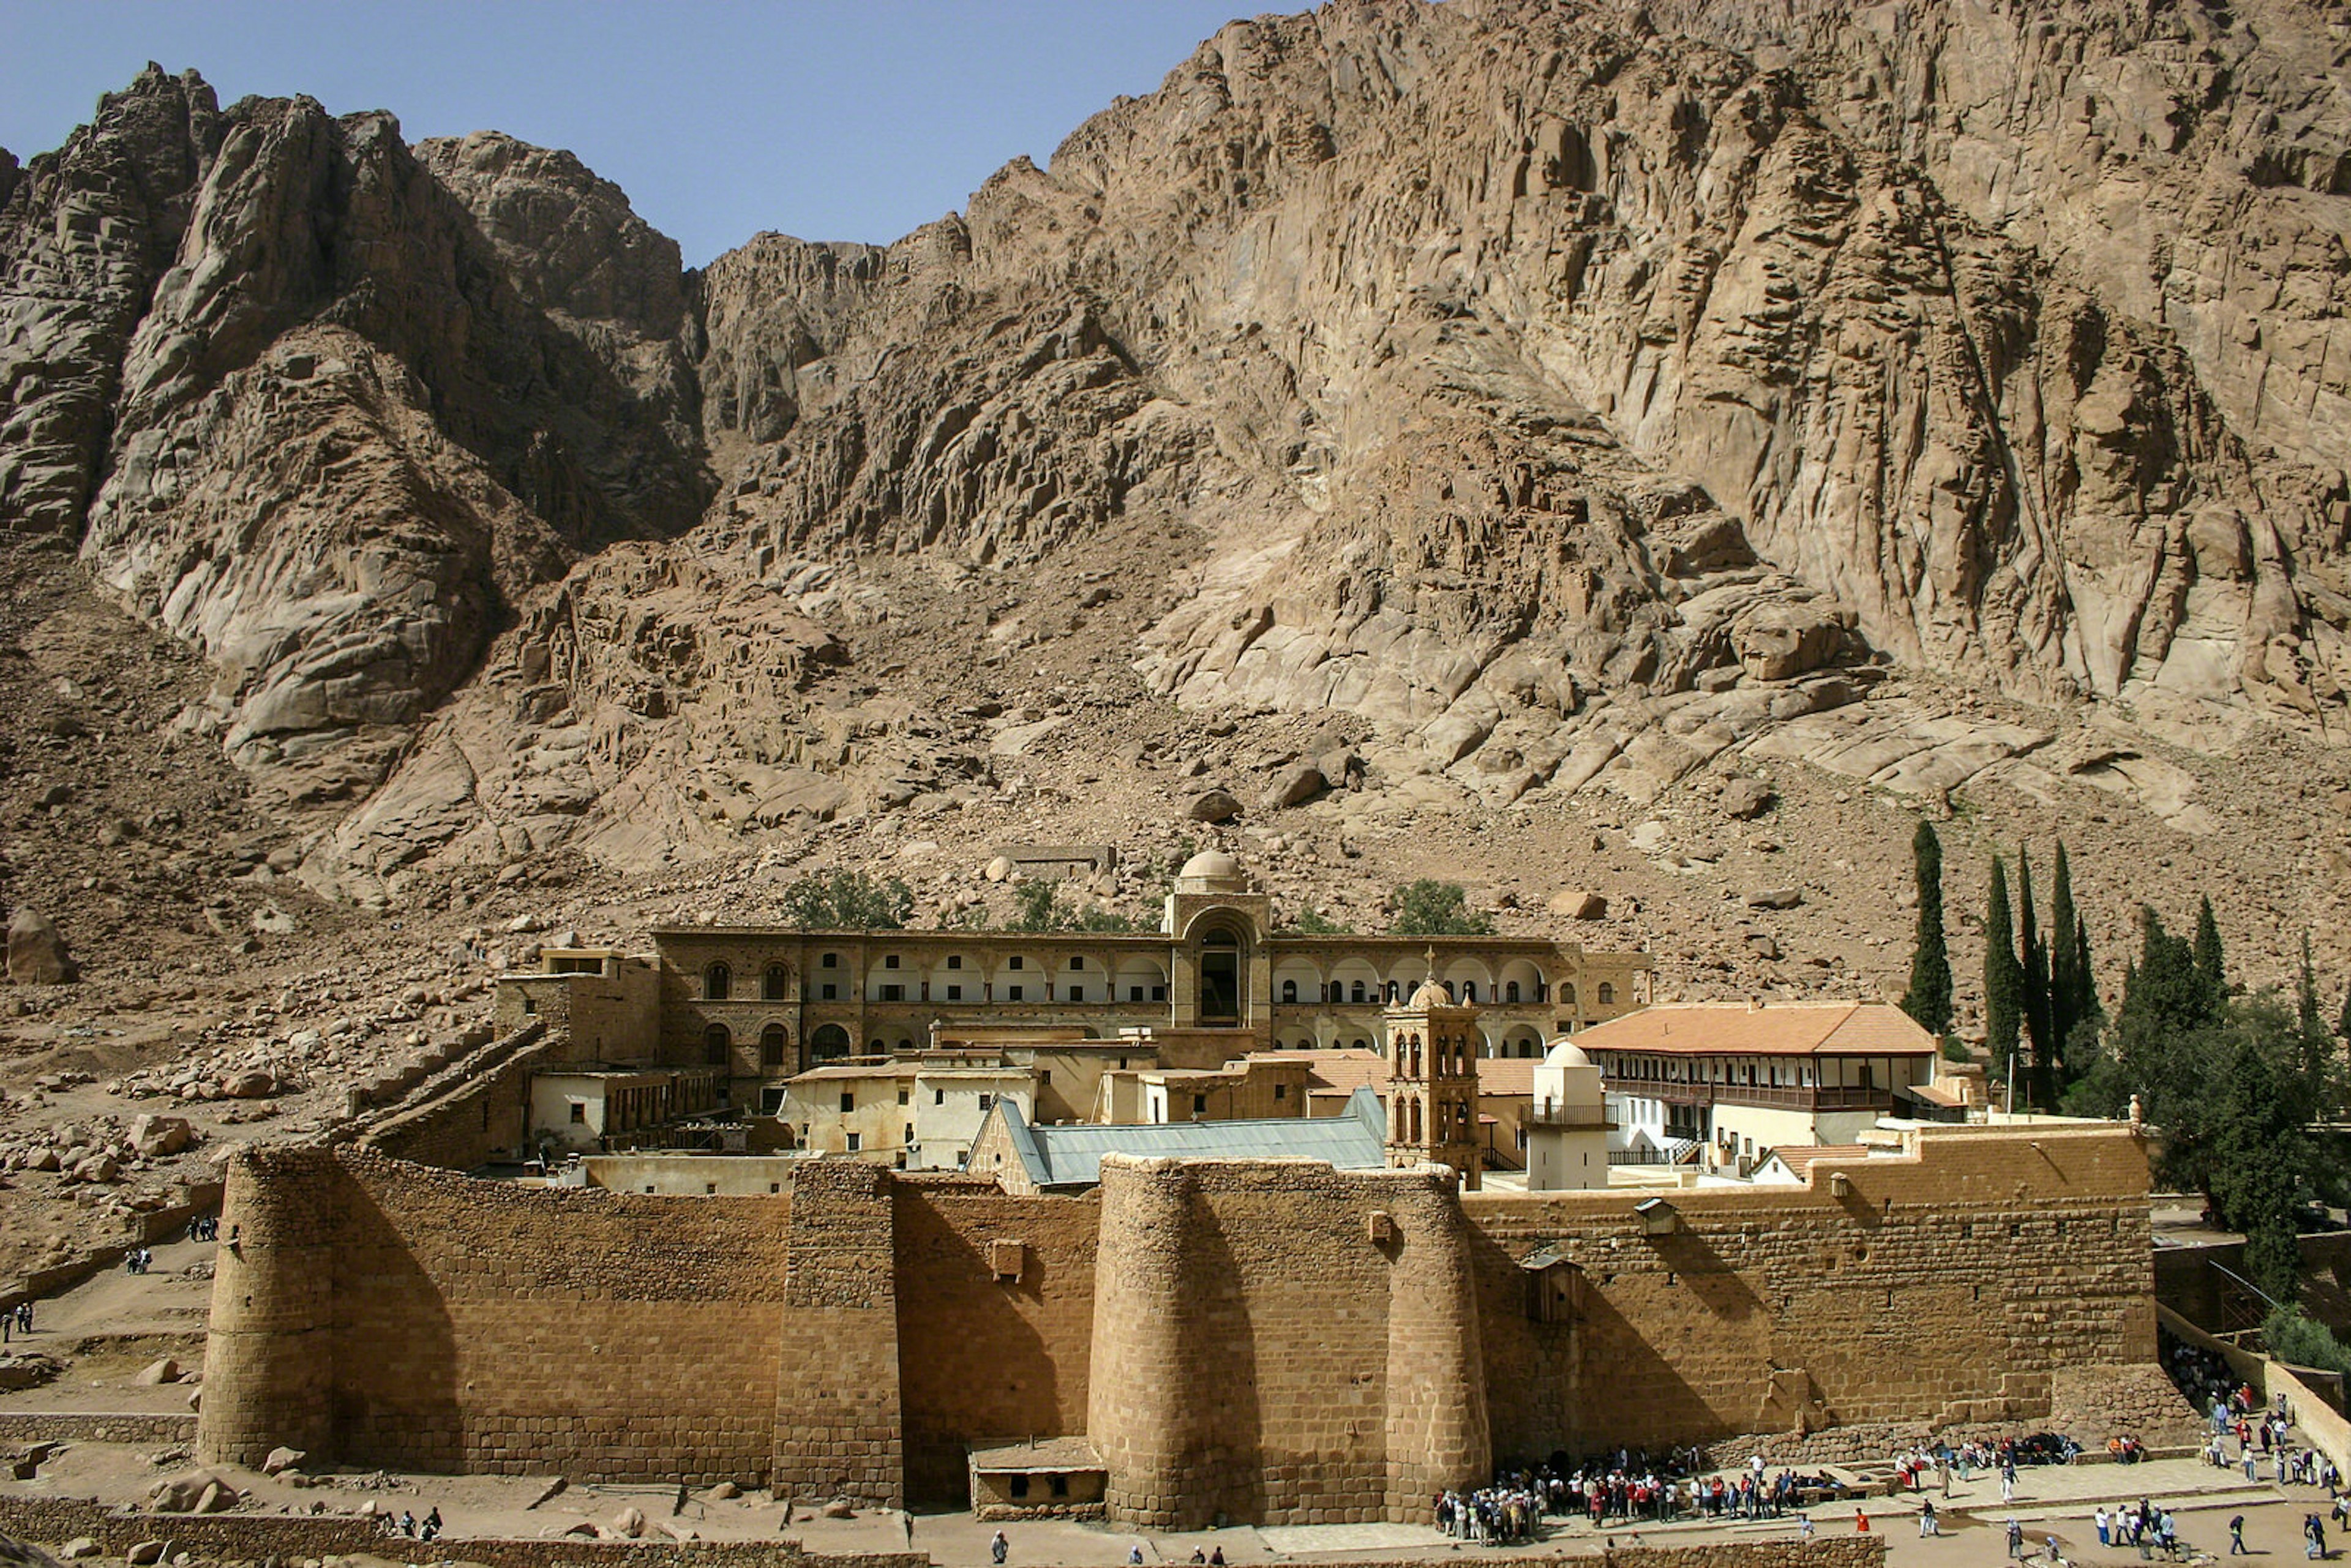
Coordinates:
<point>890,960</point>
<point>1019,1487</point>
<point>1289,990</point>
<point>1061,1485</point>
<point>579,1113</point>
<point>853,1141</point>
<point>716,981</point>
<point>1158,993</point>
<point>1046,1076</point>
<point>830,961</point>
<point>909,1137</point>
<point>985,1101</point>
<point>939,1096</point>
<point>1012,993</point>
<point>1607,994</point>
<point>875,1047</point>
<point>848,1100</point>
<point>1510,991</point>
<point>1356,992</point>
<point>903,1095</point>
<point>1134,994</point>
<point>1015,961</point>
<point>1076,993</point>
<point>1077,963</point>
<point>709,1189</point>
<point>831,992</point>
<point>893,993</point>
<point>1199,1105</point>
<point>779,982</point>
<point>955,960</point>
<point>954,993</point>
<point>1281,1091</point>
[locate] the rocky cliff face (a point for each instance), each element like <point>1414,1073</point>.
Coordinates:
<point>1561,394</point>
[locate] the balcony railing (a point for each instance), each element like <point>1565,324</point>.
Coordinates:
<point>1586,1116</point>
<point>1770,1096</point>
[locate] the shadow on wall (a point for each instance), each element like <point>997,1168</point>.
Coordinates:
<point>1219,1347</point>
<point>975,1366</point>
<point>396,1358</point>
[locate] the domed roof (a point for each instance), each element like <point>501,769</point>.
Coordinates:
<point>1566,1053</point>
<point>1430,995</point>
<point>1211,866</point>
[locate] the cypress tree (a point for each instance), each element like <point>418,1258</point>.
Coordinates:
<point>2342,1023</point>
<point>2211,971</point>
<point>2064,988</point>
<point>2003,977</point>
<point>2033,984</point>
<point>2315,1041</point>
<point>1929,999</point>
<point>2086,1006</point>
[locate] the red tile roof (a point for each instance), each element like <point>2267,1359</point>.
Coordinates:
<point>1778,1029</point>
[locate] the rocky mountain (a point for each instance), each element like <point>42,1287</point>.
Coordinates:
<point>1558,406</point>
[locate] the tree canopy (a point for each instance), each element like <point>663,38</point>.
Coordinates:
<point>1929,999</point>
<point>1431,908</point>
<point>847,901</point>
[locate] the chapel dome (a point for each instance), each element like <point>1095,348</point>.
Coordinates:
<point>1566,1053</point>
<point>1430,995</point>
<point>1211,866</point>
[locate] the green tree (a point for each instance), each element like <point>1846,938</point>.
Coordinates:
<point>847,901</point>
<point>1312,922</point>
<point>2316,1040</point>
<point>2065,985</point>
<point>1034,908</point>
<point>1929,999</point>
<point>1430,908</point>
<point>2211,971</point>
<point>2298,1341</point>
<point>2342,1019</point>
<point>2003,978</point>
<point>2032,986</point>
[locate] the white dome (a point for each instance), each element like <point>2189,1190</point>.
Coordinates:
<point>1430,995</point>
<point>1211,866</point>
<point>1566,1053</point>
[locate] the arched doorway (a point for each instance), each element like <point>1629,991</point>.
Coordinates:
<point>828,1043</point>
<point>1220,975</point>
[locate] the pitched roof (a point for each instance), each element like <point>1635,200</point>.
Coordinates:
<point>1781,1028</point>
<point>1070,1155</point>
<point>1801,1157</point>
<point>1507,1075</point>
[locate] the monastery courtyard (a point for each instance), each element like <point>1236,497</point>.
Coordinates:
<point>144,1316</point>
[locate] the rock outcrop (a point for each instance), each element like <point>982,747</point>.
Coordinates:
<point>1566,392</point>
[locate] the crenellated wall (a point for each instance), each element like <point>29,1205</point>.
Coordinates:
<point>1268,1340</point>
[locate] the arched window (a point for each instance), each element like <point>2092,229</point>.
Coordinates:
<point>1607,994</point>
<point>1510,991</point>
<point>1415,1121</point>
<point>779,982</point>
<point>1356,992</point>
<point>772,1042</point>
<point>715,1043</point>
<point>830,1042</point>
<point>1468,990</point>
<point>716,981</point>
<point>1289,990</point>
<point>1567,993</point>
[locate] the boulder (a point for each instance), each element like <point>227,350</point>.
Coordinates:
<point>1744,799</point>
<point>152,1137</point>
<point>282,1459</point>
<point>144,1555</point>
<point>37,953</point>
<point>630,1523</point>
<point>1764,945</point>
<point>1577,904</point>
<point>1774,898</point>
<point>999,869</point>
<point>1777,641</point>
<point>1213,806</point>
<point>80,1546</point>
<point>838,1508</point>
<point>251,1084</point>
<point>1296,786</point>
<point>156,1373</point>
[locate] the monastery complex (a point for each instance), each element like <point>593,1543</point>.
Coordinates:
<point>1218,1222</point>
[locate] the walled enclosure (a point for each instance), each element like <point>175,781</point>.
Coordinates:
<point>1273,1339</point>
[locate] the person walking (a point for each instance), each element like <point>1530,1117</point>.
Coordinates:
<point>999,1547</point>
<point>2015,1540</point>
<point>1927,1523</point>
<point>2236,1537</point>
<point>2106,1526</point>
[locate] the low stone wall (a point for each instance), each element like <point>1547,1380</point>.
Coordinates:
<point>139,1428</point>
<point>51,1521</point>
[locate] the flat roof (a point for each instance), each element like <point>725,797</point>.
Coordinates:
<point>1045,1454</point>
<point>1780,1028</point>
<point>1071,1155</point>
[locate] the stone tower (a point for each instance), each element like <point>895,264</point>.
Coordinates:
<point>1432,1050</point>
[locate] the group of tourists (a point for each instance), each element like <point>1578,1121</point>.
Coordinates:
<point>204,1227</point>
<point>15,1320</point>
<point>139,1259</point>
<point>413,1528</point>
<point>2140,1524</point>
<point>1501,1512</point>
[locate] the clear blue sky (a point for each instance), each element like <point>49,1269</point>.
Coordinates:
<point>852,120</point>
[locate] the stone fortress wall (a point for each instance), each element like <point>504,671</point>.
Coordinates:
<point>1270,1340</point>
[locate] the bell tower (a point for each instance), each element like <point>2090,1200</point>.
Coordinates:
<point>1432,1051</point>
